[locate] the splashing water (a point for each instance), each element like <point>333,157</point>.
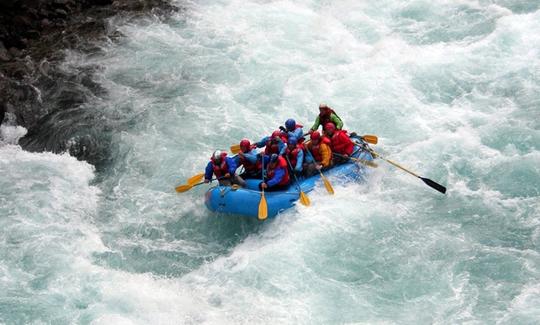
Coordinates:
<point>452,89</point>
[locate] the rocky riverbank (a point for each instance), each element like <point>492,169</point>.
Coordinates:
<point>35,90</point>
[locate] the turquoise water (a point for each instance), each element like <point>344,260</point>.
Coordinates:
<point>452,89</point>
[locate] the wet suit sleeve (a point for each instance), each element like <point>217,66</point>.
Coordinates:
<point>232,165</point>
<point>262,143</point>
<point>278,175</point>
<point>282,147</point>
<point>326,154</point>
<point>251,156</point>
<point>208,171</point>
<point>316,124</point>
<point>298,133</point>
<point>337,121</point>
<point>299,161</point>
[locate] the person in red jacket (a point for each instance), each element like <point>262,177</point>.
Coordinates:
<point>277,173</point>
<point>223,168</point>
<point>340,143</point>
<point>250,159</point>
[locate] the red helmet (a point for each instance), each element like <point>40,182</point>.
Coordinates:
<point>276,133</point>
<point>330,127</point>
<point>315,135</point>
<point>245,145</point>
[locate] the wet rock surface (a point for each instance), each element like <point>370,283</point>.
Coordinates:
<point>37,92</point>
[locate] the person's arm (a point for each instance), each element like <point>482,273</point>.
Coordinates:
<point>282,147</point>
<point>251,156</point>
<point>232,165</point>
<point>309,157</point>
<point>299,161</point>
<point>326,154</point>
<point>337,121</point>
<point>316,124</point>
<point>262,143</point>
<point>298,134</point>
<point>278,175</point>
<point>208,172</point>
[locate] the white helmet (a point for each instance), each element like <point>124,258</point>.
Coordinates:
<point>216,156</point>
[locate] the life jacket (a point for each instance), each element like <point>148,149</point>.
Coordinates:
<point>249,166</point>
<point>341,143</point>
<point>293,155</point>
<point>323,119</point>
<point>281,163</point>
<point>223,168</point>
<point>315,149</point>
<point>271,147</point>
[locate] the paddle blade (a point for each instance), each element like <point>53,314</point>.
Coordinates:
<point>183,188</point>
<point>263,208</point>
<point>195,179</point>
<point>434,185</point>
<point>235,148</point>
<point>370,138</point>
<point>327,184</point>
<point>304,199</point>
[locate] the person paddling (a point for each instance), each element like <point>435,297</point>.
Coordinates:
<point>249,159</point>
<point>340,142</point>
<point>326,115</point>
<point>318,154</point>
<point>274,143</point>
<point>295,153</point>
<point>277,174</point>
<point>293,130</point>
<point>223,167</point>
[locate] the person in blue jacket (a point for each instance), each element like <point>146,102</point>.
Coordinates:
<point>293,130</point>
<point>273,144</point>
<point>276,175</point>
<point>295,154</point>
<point>224,168</point>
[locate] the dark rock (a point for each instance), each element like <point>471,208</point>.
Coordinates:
<point>15,52</point>
<point>4,55</point>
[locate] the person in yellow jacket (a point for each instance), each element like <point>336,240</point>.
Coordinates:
<point>318,154</point>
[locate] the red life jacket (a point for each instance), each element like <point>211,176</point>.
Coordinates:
<point>249,166</point>
<point>223,168</point>
<point>271,147</point>
<point>281,163</point>
<point>341,143</point>
<point>315,148</point>
<point>293,155</point>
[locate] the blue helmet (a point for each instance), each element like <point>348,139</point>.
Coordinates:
<point>290,124</point>
<point>293,141</point>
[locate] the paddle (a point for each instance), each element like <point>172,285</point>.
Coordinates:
<point>327,184</point>
<point>362,161</point>
<point>263,207</point>
<point>195,179</point>
<point>370,138</point>
<point>187,187</point>
<point>303,197</point>
<point>427,181</point>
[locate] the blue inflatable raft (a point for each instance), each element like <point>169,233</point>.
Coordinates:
<point>245,201</point>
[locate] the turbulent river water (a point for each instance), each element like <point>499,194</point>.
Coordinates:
<point>452,89</point>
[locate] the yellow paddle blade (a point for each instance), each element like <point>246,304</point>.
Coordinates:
<point>370,138</point>
<point>304,199</point>
<point>183,188</point>
<point>328,186</point>
<point>235,148</point>
<point>263,208</point>
<point>195,179</point>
